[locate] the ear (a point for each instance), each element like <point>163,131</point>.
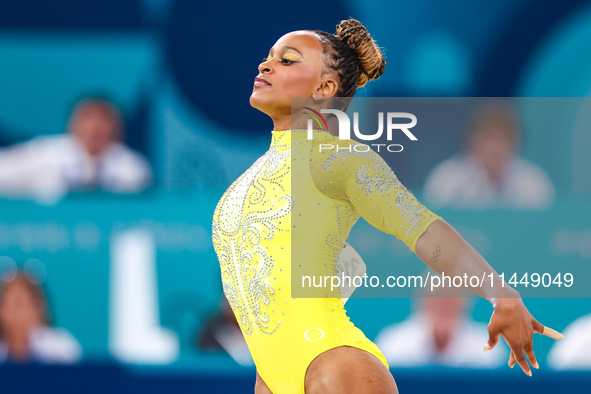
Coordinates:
<point>327,88</point>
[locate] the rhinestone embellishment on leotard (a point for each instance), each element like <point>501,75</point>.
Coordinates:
<point>382,179</point>
<point>344,154</point>
<point>237,233</point>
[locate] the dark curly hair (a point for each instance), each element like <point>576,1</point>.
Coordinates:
<point>352,54</point>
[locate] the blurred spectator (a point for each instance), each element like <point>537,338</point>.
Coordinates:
<point>221,332</point>
<point>91,155</point>
<point>25,335</point>
<point>440,333</point>
<point>572,352</point>
<point>489,172</point>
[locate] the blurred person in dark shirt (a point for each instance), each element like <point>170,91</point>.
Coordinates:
<point>221,332</point>
<point>489,173</point>
<point>90,155</point>
<point>25,334</point>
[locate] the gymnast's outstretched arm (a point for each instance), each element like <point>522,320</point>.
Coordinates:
<point>370,185</point>
<point>443,249</point>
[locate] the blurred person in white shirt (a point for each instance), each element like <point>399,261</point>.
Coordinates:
<point>25,335</point>
<point>90,155</point>
<point>489,173</point>
<point>440,332</point>
<point>573,351</point>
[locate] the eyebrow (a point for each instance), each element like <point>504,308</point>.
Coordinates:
<point>293,49</point>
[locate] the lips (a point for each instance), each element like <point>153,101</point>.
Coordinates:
<point>260,81</point>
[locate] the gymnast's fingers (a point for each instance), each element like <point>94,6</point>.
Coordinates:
<point>551,333</point>
<point>521,360</point>
<point>529,351</point>
<point>512,360</point>
<point>493,336</point>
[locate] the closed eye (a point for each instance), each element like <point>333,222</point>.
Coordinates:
<point>288,59</point>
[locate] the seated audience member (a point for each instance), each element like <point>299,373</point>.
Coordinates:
<point>25,335</point>
<point>221,332</point>
<point>91,155</point>
<point>573,351</point>
<point>440,333</point>
<point>489,173</point>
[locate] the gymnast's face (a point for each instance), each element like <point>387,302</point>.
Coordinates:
<point>293,68</point>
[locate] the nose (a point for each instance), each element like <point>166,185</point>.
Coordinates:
<point>265,67</point>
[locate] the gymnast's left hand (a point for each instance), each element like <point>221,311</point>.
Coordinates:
<point>516,325</point>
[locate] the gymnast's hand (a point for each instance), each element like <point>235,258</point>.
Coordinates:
<point>516,325</point>
<point>443,249</point>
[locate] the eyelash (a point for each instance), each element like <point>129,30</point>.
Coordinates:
<point>282,61</point>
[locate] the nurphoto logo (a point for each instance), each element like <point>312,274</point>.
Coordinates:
<point>345,128</point>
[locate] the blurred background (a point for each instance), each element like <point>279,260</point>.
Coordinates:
<point>122,122</point>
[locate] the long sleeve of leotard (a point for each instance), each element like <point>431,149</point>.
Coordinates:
<point>365,180</point>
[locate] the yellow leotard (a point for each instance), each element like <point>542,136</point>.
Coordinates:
<point>253,226</point>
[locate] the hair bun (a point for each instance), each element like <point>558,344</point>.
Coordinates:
<point>371,59</point>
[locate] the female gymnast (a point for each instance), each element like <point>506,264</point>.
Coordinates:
<point>308,345</point>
